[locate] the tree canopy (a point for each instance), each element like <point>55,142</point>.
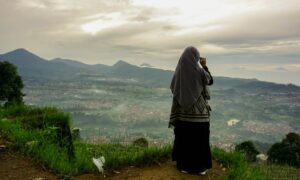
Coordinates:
<point>248,149</point>
<point>11,84</point>
<point>287,151</point>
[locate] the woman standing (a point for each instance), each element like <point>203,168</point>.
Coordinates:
<point>190,113</point>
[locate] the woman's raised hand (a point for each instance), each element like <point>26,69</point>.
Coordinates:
<point>203,61</point>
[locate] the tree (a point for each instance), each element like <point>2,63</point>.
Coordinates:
<point>287,151</point>
<point>11,84</point>
<point>141,142</point>
<point>248,149</point>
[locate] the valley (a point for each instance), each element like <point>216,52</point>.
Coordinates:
<point>122,102</point>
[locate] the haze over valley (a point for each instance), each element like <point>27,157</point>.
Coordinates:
<point>122,102</point>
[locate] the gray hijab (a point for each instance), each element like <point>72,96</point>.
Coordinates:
<point>188,80</point>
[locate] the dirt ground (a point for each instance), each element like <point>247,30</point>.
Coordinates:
<point>164,171</point>
<point>14,166</point>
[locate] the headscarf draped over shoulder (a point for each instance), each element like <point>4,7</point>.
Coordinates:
<point>187,82</point>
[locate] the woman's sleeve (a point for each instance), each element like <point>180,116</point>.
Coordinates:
<point>208,79</point>
<point>208,76</point>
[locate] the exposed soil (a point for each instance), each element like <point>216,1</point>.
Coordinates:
<point>164,171</point>
<point>14,166</point>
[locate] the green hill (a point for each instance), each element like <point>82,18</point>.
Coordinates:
<point>34,131</point>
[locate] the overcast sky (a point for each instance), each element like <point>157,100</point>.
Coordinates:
<point>240,38</point>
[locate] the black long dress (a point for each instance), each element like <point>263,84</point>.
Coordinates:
<point>191,148</point>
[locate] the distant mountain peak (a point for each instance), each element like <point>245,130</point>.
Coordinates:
<point>123,66</point>
<point>121,62</point>
<point>146,65</point>
<point>58,59</point>
<point>65,60</point>
<point>20,51</point>
<point>70,62</point>
<point>21,54</point>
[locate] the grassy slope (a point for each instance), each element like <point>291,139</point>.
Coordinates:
<point>56,158</point>
<point>274,171</point>
<point>39,144</point>
<point>14,125</point>
<point>238,167</point>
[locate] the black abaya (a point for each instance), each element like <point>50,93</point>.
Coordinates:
<point>191,148</point>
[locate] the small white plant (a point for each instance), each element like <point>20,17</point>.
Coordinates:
<point>99,163</point>
<point>262,157</point>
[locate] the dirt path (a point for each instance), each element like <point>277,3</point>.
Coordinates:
<point>14,166</point>
<point>164,171</point>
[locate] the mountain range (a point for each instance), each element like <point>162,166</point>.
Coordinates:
<point>31,65</point>
<point>138,98</point>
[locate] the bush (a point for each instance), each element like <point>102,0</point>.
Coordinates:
<point>76,133</point>
<point>238,167</point>
<point>51,123</point>
<point>248,149</point>
<point>141,142</point>
<point>36,140</point>
<point>287,151</point>
<point>11,84</point>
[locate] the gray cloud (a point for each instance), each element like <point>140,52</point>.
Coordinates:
<point>268,33</point>
<point>281,69</point>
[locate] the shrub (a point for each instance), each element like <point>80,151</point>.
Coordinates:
<point>49,122</point>
<point>287,151</point>
<point>248,149</point>
<point>38,143</point>
<point>238,167</point>
<point>11,84</point>
<point>141,142</point>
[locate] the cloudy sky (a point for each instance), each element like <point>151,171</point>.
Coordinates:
<point>240,38</point>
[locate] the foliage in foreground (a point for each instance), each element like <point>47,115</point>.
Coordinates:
<point>34,133</point>
<point>237,165</point>
<point>11,84</point>
<point>39,144</point>
<point>48,123</point>
<point>55,158</point>
<point>275,171</point>
<point>248,149</point>
<point>287,151</point>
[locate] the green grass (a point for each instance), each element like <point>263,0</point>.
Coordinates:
<point>25,124</point>
<point>35,117</point>
<point>274,171</point>
<point>28,124</point>
<point>237,165</point>
<point>118,156</point>
<point>48,153</point>
<point>55,158</point>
